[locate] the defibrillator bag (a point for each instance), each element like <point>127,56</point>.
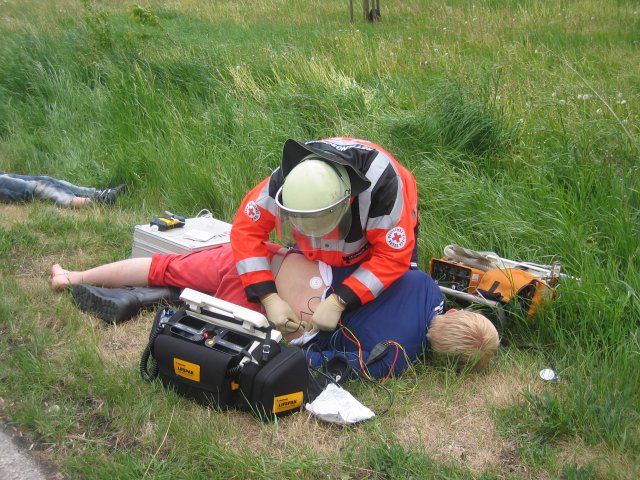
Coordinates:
<point>513,284</point>
<point>225,356</point>
<point>484,277</point>
<point>276,388</point>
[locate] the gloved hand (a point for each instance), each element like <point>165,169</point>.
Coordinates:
<point>327,315</point>
<point>280,314</point>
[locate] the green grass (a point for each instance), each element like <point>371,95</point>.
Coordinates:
<point>519,119</point>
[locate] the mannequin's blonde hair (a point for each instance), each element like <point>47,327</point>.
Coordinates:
<point>468,336</point>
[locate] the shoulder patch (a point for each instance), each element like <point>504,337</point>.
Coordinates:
<point>252,211</point>
<point>396,238</point>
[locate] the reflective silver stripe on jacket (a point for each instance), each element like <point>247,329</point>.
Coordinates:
<point>253,264</point>
<point>369,280</point>
<point>385,222</point>
<point>266,202</point>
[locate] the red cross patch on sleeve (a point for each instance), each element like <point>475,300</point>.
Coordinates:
<point>252,211</point>
<point>396,238</point>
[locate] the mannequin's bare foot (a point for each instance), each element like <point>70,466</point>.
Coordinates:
<point>59,278</point>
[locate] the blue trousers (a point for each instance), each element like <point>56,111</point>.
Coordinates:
<point>25,188</point>
<point>401,314</point>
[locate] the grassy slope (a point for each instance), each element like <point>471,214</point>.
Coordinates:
<point>519,120</point>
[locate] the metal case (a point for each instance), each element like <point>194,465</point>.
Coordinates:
<point>147,240</point>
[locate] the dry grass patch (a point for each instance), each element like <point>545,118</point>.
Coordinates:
<point>460,427</point>
<point>13,214</point>
<point>603,459</point>
<point>123,343</point>
<point>18,213</point>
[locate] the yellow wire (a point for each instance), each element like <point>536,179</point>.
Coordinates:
<point>365,371</point>
<point>363,366</point>
<point>409,368</point>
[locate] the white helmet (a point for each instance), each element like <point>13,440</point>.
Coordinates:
<point>315,197</point>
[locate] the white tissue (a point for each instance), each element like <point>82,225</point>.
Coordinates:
<point>336,405</point>
<point>306,337</point>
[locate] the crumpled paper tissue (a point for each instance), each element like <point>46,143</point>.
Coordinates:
<point>304,339</point>
<point>336,405</point>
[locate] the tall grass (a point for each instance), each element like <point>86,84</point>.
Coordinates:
<point>520,121</point>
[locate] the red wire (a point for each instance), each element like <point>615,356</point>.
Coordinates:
<point>352,338</point>
<point>393,364</point>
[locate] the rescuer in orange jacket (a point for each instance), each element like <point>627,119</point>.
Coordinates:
<point>344,201</point>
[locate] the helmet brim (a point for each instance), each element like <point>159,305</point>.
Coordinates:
<point>293,152</point>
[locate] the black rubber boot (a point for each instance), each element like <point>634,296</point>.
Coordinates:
<point>116,305</point>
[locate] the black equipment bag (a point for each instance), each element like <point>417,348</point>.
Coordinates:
<point>194,371</point>
<point>224,368</point>
<point>276,388</point>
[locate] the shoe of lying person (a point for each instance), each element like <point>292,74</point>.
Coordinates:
<point>115,305</point>
<point>108,196</point>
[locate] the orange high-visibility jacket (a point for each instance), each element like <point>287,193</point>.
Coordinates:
<point>382,235</point>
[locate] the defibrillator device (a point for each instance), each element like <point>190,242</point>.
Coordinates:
<point>500,283</point>
<point>167,221</point>
<point>225,356</point>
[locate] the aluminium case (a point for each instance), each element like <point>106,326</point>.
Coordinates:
<point>147,240</point>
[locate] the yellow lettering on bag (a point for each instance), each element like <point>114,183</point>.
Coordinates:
<point>287,402</point>
<point>186,369</point>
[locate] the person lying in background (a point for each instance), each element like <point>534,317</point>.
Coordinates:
<point>403,320</point>
<point>26,188</point>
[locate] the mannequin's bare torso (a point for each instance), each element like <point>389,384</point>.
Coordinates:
<point>299,283</point>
